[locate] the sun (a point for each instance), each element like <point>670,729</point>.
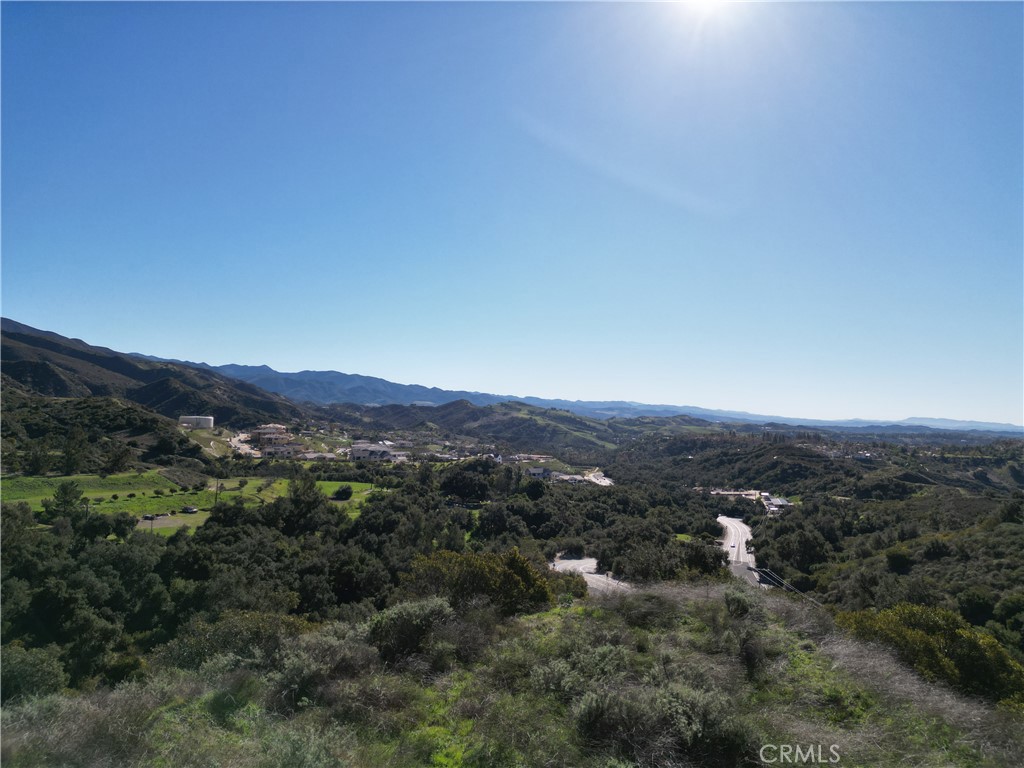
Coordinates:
<point>704,8</point>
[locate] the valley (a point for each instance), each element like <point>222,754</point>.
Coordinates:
<point>498,584</point>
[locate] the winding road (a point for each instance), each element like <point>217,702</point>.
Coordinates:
<point>734,542</point>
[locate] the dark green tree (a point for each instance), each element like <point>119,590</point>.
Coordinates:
<point>66,502</point>
<point>76,449</point>
<point>37,458</point>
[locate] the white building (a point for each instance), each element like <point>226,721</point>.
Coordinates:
<point>376,452</point>
<point>289,451</point>
<point>196,422</point>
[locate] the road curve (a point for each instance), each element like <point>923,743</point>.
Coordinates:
<point>734,542</point>
<point>587,568</point>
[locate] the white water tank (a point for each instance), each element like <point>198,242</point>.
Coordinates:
<point>196,422</point>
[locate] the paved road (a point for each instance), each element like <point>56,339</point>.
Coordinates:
<point>238,442</point>
<point>737,533</point>
<point>587,568</point>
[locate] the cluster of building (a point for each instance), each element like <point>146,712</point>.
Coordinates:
<point>774,505</point>
<point>275,441</point>
<point>543,473</point>
<point>528,457</point>
<point>383,451</point>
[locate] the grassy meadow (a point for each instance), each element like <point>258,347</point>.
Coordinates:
<point>150,493</point>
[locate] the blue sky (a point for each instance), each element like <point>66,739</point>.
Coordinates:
<point>801,209</point>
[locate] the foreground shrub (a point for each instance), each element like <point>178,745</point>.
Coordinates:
<point>308,663</point>
<point>246,634</point>
<point>659,726</point>
<point>30,672</point>
<point>403,630</point>
<point>737,602</point>
<point>646,610</point>
<point>941,645</point>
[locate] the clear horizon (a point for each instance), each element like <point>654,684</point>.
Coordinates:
<point>798,209</point>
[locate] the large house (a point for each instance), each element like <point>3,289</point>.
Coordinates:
<point>270,434</point>
<point>281,451</point>
<point>376,452</point>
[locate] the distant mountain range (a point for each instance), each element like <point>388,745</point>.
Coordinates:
<point>331,387</point>
<point>234,392</point>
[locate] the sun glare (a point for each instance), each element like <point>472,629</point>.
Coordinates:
<point>703,9</point>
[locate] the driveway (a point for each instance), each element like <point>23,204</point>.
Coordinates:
<point>587,567</point>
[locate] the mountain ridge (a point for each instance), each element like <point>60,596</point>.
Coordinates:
<point>335,388</point>
<point>54,366</point>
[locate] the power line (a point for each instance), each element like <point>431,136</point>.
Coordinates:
<point>786,585</point>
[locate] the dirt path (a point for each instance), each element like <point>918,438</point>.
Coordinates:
<point>587,567</point>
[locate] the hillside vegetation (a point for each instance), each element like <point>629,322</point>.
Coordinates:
<point>709,675</point>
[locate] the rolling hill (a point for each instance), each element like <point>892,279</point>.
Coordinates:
<point>50,365</point>
<point>333,387</point>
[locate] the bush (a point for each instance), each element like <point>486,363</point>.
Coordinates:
<point>508,580</point>
<point>404,629</point>
<point>239,688</point>
<point>647,610</point>
<point>30,672</point>
<point>309,662</point>
<point>737,602</point>
<point>660,726</point>
<point>752,654</point>
<point>573,549</point>
<point>344,493</point>
<point>567,583</point>
<point>246,634</point>
<point>941,645</point>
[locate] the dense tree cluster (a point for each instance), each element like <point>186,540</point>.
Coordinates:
<point>89,596</point>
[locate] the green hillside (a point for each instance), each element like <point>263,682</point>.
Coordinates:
<point>53,366</point>
<point>709,676</point>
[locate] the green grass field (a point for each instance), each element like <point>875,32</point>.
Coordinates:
<point>35,489</point>
<point>168,526</point>
<point>150,493</point>
<point>359,493</point>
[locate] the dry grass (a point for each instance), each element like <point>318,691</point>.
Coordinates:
<point>996,734</point>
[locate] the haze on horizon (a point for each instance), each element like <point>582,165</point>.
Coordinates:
<point>801,209</point>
